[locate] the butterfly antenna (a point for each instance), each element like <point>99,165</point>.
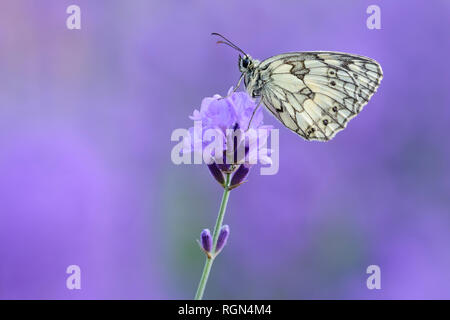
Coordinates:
<point>228,42</point>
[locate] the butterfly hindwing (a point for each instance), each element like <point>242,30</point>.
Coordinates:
<point>315,94</point>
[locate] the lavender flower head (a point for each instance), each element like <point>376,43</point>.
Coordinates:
<point>230,118</point>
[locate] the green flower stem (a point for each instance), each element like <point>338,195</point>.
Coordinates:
<point>209,260</point>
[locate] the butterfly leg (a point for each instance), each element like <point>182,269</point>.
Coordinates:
<point>235,88</point>
<point>253,114</point>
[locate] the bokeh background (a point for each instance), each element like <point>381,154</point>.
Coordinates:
<point>86,176</point>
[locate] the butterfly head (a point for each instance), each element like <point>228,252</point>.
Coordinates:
<point>245,63</point>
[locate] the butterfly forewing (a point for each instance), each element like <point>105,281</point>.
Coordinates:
<point>315,94</point>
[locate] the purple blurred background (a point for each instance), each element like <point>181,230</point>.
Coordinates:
<point>86,176</point>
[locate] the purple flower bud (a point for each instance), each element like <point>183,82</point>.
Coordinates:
<point>223,237</point>
<point>239,176</point>
<point>206,240</point>
<point>216,173</point>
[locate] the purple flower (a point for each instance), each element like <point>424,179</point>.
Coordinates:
<point>223,237</point>
<point>233,148</point>
<point>223,114</point>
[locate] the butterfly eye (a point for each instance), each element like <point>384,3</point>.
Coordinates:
<point>245,62</point>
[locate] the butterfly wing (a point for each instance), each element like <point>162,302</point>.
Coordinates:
<point>315,94</point>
